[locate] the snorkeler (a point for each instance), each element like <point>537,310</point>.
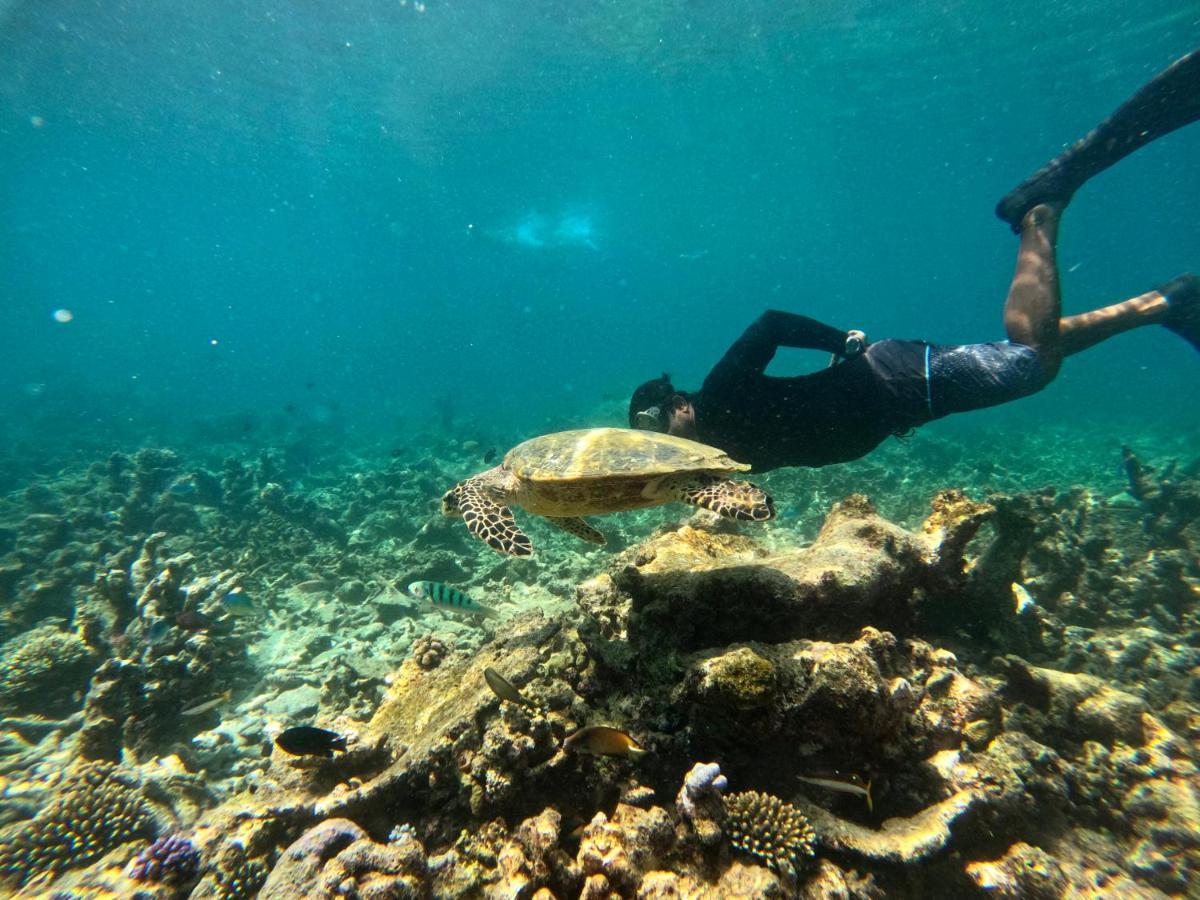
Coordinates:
<point>873,390</point>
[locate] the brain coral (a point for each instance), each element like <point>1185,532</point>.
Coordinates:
<point>43,671</point>
<point>95,809</point>
<point>766,827</point>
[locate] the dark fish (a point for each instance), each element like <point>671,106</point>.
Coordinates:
<point>490,455</point>
<point>601,740</point>
<point>304,740</point>
<point>396,451</point>
<point>504,689</point>
<point>191,620</point>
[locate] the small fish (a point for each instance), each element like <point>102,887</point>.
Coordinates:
<point>184,487</point>
<point>490,455</point>
<point>313,586</point>
<point>504,689</point>
<point>470,446</point>
<point>201,708</point>
<point>304,740</point>
<point>237,603</point>
<point>849,785</point>
<point>1022,599</point>
<point>601,740</point>
<point>192,620</point>
<point>444,597</point>
<point>158,630</point>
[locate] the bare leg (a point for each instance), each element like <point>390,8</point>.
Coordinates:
<point>1034,304</point>
<point>1090,328</point>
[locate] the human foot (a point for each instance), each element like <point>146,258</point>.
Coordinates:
<point>1051,187</point>
<point>1183,307</point>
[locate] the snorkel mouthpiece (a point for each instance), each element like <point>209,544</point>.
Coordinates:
<point>649,419</point>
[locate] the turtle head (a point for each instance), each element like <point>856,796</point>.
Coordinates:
<point>450,501</point>
<point>491,484</point>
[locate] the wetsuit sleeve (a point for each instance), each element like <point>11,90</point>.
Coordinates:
<point>754,350</point>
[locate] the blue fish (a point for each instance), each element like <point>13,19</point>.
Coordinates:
<point>185,487</point>
<point>158,630</point>
<point>444,597</point>
<point>236,603</point>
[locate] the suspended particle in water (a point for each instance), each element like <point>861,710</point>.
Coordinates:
<point>63,316</point>
<point>37,121</point>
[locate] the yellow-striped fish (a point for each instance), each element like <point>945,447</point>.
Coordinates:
<point>444,597</point>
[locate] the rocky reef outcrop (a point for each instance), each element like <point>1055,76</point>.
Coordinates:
<point>999,700</point>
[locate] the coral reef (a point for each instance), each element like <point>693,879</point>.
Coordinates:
<point>1014,674</point>
<point>96,808</point>
<point>769,829</point>
<point>429,651</point>
<point>699,801</point>
<point>44,670</point>
<point>171,859</point>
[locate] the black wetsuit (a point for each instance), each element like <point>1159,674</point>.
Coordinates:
<point>843,412</point>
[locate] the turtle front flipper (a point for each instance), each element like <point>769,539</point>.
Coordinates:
<point>488,520</point>
<point>724,496</point>
<point>578,527</point>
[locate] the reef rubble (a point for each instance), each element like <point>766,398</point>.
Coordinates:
<point>1000,700</point>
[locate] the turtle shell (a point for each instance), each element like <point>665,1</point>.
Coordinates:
<point>617,453</point>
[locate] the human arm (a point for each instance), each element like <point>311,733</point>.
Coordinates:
<point>753,351</point>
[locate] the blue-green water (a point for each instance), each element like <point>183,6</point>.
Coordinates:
<point>358,213</point>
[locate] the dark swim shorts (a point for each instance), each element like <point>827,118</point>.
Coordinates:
<point>973,376</point>
<point>919,382</point>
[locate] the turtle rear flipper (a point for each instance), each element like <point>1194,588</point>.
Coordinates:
<point>724,496</point>
<point>489,521</point>
<point>578,527</point>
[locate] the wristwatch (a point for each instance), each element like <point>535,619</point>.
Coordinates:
<point>856,343</point>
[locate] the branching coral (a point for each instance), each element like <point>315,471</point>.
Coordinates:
<point>234,876</point>
<point>766,827</point>
<point>170,860</point>
<point>43,670</point>
<point>95,809</point>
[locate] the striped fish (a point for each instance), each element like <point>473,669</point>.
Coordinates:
<point>448,599</point>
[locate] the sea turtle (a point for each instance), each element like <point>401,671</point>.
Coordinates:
<point>593,471</point>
